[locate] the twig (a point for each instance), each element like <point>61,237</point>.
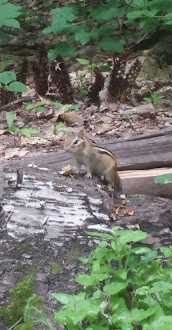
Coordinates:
<point>13,104</point>
<point>12,327</point>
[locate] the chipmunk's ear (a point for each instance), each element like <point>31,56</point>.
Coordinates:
<point>81,134</point>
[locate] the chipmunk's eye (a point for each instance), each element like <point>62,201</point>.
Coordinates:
<point>75,142</point>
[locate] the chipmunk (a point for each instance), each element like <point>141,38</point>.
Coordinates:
<point>97,160</point>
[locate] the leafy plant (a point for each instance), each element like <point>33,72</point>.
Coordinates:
<point>33,315</point>
<point>154,97</point>
<point>8,14</point>
<point>59,128</point>
<point>38,106</point>
<point>128,117</point>
<point>163,179</point>
<point>8,81</point>
<point>66,107</point>
<point>28,132</point>
<point>100,25</point>
<point>127,287</point>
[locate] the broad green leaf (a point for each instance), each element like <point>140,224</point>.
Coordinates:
<point>11,23</point>
<point>164,178</point>
<point>168,22</point>
<point>114,287</point>
<point>10,117</point>
<point>103,235</point>
<point>28,132</point>
<point>166,251</point>
<point>162,286</point>
<point>142,291</point>
<point>8,13</point>
<point>82,36</point>
<point>5,63</point>
<point>66,299</point>
<point>63,49</point>
<point>107,12</point>
<point>16,86</point>
<point>141,250</point>
<point>149,256</point>
<point>83,61</point>
<point>167,299</point>
<point>138,315</point>
<point>97,327</point>
<point>103,244</point>
<point>68,13</point>
<point>110,43</point>
<point>97,294</point>
<point>86,280</point>
<point>96,266</point>
<point>122,316</point>
<point>12,129</point>
<point>159,323</point>
<point>58,104</point>
<point>105,68</point>
<point>7,76</point>
<point>126,236</point>
<point>135,14</point>
<point>121,273</point>
<point>101,277</point>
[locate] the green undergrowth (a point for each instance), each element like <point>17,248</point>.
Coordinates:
<point>127,286</point>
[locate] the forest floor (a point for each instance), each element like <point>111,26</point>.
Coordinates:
<point>115,120</point>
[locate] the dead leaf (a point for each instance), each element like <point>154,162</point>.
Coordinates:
<point>71,117</point>
<point>116,211</point>
<point>44,99</point>
<point>66,170</point>
<point>105,128</point>
<point>33,165</point>
<point>128,213</point>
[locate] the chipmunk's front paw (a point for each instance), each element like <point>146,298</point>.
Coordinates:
<point>88,175</point>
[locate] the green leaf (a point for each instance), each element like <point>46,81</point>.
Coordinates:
<point>63,49</point>
<point>82,36</point>
<point>72,107</point>
<point>110,43</point>
<point>114,287</point>
<point>163,179</point>
<point>121,273</point>
<point>162,286</point>
<point>7,76</point>
<point>142,291</point>
<point>167,299</point>
<point>138,315</point>
<point>6,63</point>
<point>105,68</point>
<point>135,14</point>
<point>107,12</point>
<point>141,250</point>
<point>103,235</point>
<point>10,117</point>
<point>126,236</point>
<point>166,251</point>
<point>101,277</point>
<point>64,298</point>
<point>58,104</point>
<point>83,61</point>
<point>86,280</point>
<point>67,13</point>
<point>11,23</point>
<point>28,132</point>
<point>12,129</point>
<point>16,86</point>
<point>8,13</point>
